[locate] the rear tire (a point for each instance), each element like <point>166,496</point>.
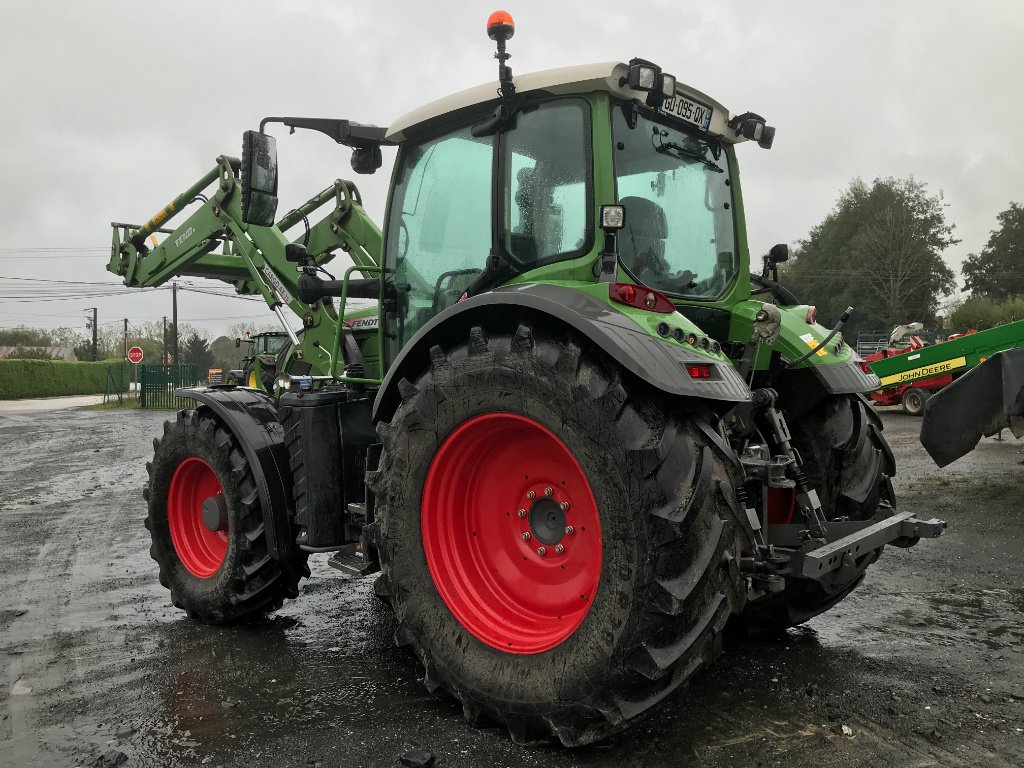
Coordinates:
<point>218,577</point>
<point>914,399</point>
<point>848,462</point>
<point>659,576</point>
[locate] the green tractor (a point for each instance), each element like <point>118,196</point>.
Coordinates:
<point>259,366</point>
<point>575,437</point>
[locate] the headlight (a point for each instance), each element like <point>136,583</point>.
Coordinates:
<point>613,217</point>
<point>643,75</point>
<point>668,86</point>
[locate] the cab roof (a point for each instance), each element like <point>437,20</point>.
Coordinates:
<point>583,78</point>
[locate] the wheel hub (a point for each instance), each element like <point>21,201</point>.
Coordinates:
<point>215,513</point>
<point>547,521</point>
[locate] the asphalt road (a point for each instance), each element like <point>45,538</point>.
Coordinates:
<point>923,665</point>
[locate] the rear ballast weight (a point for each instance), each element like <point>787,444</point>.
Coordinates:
<point>568,437</point>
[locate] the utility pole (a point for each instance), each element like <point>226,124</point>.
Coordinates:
<point>95,355</point>
<point>163,360</point>
<point>126,338</point>
<point>174,322</point>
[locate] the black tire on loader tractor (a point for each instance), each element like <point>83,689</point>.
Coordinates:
<point>206,523</point>
<point>558,541</point>
<point>267,375</point>
<point>848,462</point>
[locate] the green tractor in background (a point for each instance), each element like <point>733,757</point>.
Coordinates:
<point>259,366</point>
<point>575,436</point>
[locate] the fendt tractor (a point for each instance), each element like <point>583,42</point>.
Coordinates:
<point>574,436</point>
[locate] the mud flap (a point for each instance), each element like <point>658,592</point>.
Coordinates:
<point>985,400</point>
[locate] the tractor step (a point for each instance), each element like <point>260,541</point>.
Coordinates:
<point>350,560</point>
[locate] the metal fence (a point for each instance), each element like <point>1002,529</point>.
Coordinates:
<point>158,382</point>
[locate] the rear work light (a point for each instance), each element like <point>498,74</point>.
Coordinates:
<point>640,297</point>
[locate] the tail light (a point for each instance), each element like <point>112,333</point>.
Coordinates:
<point>640,297</point>
<point>699,370</point>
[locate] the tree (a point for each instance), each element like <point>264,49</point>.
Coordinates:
<point>23,336</point>
<point>880,251</point>
<point>998,271</point>
<point>195,350</point>
<point>225,354</point>
<point>31,353</point>
<point>980,313</point>
<point>241,330</point>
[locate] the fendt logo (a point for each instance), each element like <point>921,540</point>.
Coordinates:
<point>184,236</point>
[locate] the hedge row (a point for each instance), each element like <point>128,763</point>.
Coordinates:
<point>51,378</point>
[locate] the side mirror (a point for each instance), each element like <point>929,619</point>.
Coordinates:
<point>259,178</point>
<point>778,253</point>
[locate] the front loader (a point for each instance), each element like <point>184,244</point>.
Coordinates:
<point>591,439</point>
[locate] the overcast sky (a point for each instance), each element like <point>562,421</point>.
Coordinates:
<point>112,108</point>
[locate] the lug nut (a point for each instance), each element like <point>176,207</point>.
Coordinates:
<point>521,513</point>
<point>569,530</point>
<point>559,548</point>
<point>548,491</point>
<point>563,506</point>
<point>531,494</point>
<point>526,535</point>
<point>541,551</point>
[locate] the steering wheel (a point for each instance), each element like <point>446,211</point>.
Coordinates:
<point>451,293</point>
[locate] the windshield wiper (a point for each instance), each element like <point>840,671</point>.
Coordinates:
<point>680,152</point>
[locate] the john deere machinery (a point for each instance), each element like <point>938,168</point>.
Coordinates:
<point>573,437</point>
<point>911,375</point>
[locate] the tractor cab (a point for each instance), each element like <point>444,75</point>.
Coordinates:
<point>498,188</point>
<point>510,190</point>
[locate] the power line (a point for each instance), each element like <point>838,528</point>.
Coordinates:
<point>53,249</point>
<point>47,280</point>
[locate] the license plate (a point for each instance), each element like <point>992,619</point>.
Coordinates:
<point>688,111</point>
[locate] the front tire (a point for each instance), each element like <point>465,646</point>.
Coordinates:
<point>571,643</point>
<point>217,567</point>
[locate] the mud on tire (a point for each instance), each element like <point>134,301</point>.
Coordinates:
<point>850,465</point>
<point>670,538</point>
<point>247,582</point>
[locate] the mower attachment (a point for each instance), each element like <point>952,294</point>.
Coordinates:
<point>984,401</point>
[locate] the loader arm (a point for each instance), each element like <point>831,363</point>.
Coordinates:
<point>214,243</point>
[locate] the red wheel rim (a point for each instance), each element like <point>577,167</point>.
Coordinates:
<point>200,550</point>
<point>497,477</point>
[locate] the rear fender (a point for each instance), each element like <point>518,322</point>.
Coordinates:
<point>660,363</point>
<point>251,415</point>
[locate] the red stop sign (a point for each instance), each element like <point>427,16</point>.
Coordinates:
<point>135,355</point>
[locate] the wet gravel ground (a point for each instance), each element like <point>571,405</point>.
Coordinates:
<point>923,664</point>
